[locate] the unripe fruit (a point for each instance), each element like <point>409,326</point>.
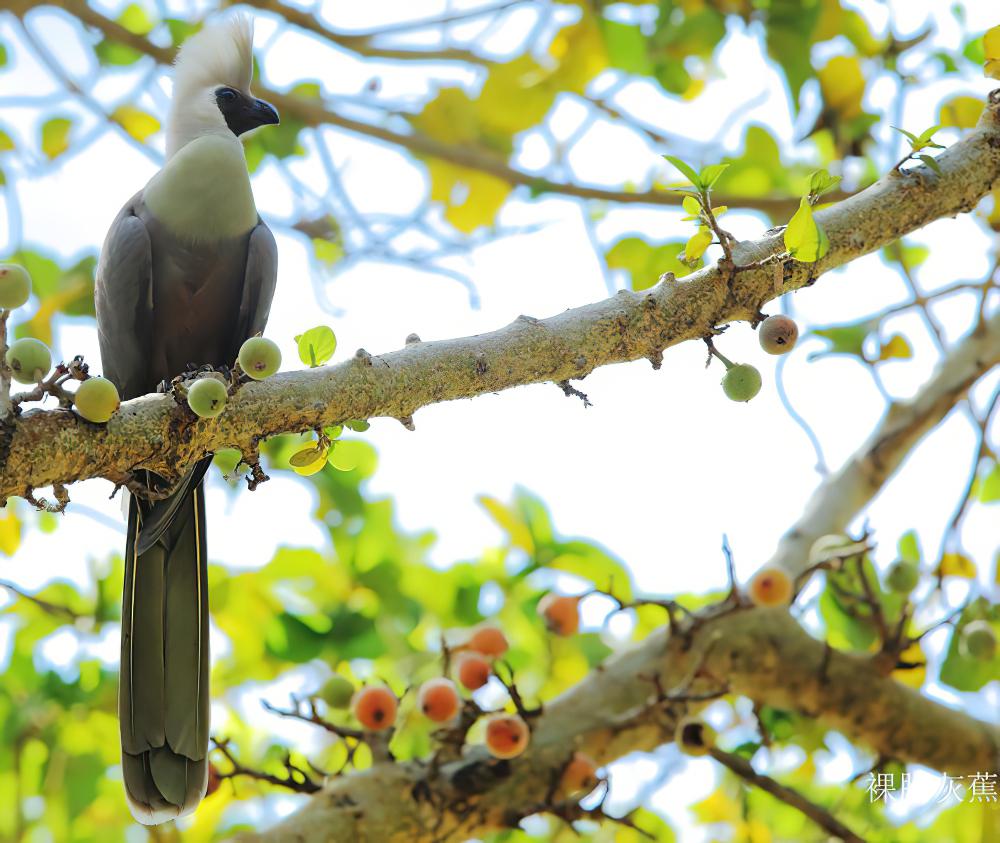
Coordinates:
<point>472,670</point>
<point>29,360</point>
<point>96,399</point>
<point>777,334</point>
<point>771,587</point>
<point>489,641</point>
<point>260,358</point>
<point>579,775</point>
<point>207,397</point>
<point>978,641</point>
<point>337,691</point>
<point>694,737</point>
<point>374,707</point>
<point>507,735</point>
<point>741,382</point>
<point>15,285</point>
<point>902,576</point>
<point>213,780</point>
<point>560,613</point>
<point>438,699</point>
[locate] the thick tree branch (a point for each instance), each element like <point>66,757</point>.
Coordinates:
<point>153,432</point>
<point>763,654</point>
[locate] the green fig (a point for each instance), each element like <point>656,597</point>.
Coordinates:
<point>15,285</point>
<point>741,382</point>
<point>902,576</point>
<point>207,397</point>
<point>260,358</point>
<point>29,360</point>
<point>337,692</point>
<point>978,641</point>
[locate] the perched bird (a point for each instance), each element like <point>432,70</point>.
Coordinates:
<point>186,274</point>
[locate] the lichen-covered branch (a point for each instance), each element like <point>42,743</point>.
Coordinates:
<point>763,654</point>
<point>153,432</point>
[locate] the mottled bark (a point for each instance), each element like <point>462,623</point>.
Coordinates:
<point>56,446</point>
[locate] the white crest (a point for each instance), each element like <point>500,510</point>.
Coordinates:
<point>219,55</point>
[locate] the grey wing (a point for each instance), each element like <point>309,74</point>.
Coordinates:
<point>258,283</point>
<point>123,297</point>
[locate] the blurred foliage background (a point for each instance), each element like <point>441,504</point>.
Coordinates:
<point>475,111</point>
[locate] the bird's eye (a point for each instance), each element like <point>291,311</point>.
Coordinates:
<point>225,94</point>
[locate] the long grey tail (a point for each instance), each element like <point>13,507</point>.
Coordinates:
<point>163,695</point>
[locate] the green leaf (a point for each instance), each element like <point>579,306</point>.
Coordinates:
<point>55,136</point>
<point>927,134</point>
<point>804,237</point>
<point>691,205</point>
<point>686,169</point>
<point>3,54</point>
<point>909,548</point>
<point>989,485</point>
<point>180,30</point>
<point>912,138</point>
<point>930,162</point>
<point>316,345</point>
<point>710,175</point>
<point>969,674</point>
<point>627,47</point>
<point>847,339</point>
<point>820,182</point>
<point>357,425</point>
<point>136,20</point>
<point>645,263</point>
<point>116,54</point>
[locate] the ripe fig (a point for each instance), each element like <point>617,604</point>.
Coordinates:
<point>777,334</point>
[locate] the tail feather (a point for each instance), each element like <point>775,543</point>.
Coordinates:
<point>163,696</point>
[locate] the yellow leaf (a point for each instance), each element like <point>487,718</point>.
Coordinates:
<point>509,522</point>
<point>39,326</point>
<point>55,136</point>
<point>471,198</point>
<point>956,565</point>
<point>991,48</point>
<point>138,123</point>
<point>308,460</point>
<point>804,237</point>
<point>843,85</point>
<point>960,112</point>
<point>912,677</point>
<point>897,348</point>
<point>347,454</point>
<point>696,246</point>
<point>10,532</point>
<point>6,142</point>
<point>580,51</point>
<point>991,69</point>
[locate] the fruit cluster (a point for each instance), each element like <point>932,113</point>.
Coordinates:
<point>29,361</point>
<point>777,335</point>
<point>468,665</point>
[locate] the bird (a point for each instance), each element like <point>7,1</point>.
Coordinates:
<point>186,274</point>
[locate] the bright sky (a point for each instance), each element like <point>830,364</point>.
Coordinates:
<point>663,464</point>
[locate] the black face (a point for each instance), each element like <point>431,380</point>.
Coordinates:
<point>243,113</point>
